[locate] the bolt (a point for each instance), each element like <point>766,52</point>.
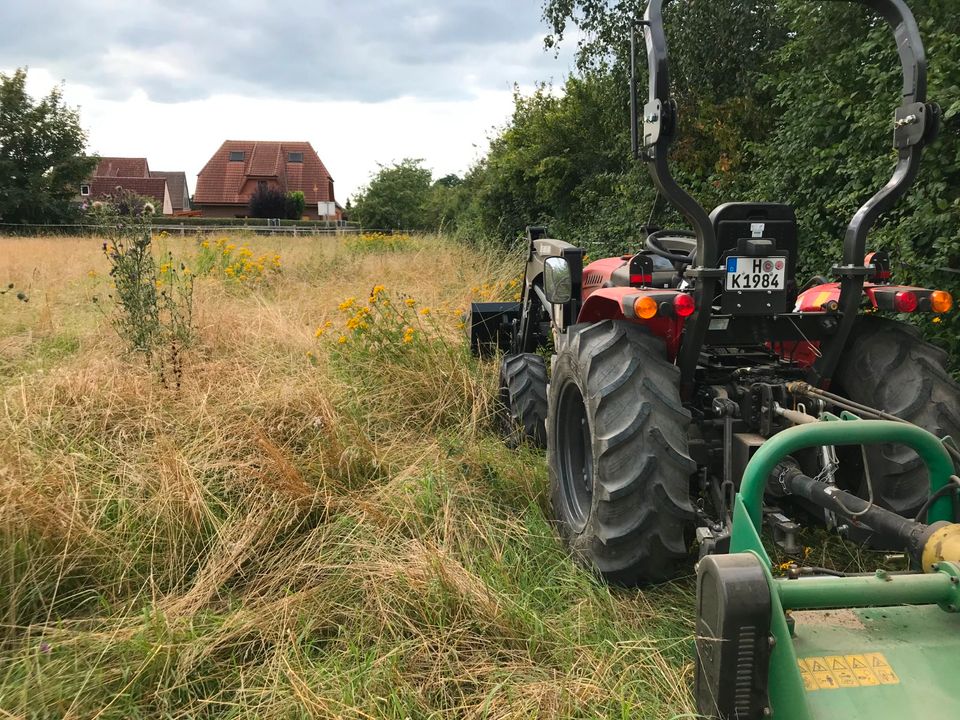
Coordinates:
<point>652,118</point>
<point>771,642</point>
<point>908,120</point>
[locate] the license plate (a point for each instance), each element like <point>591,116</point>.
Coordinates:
<point>752,273</point>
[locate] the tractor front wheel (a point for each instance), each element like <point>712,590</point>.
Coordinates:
<point>523,400</point>
<point>617,452</point>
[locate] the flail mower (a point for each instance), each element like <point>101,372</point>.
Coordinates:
<point>698,393</point>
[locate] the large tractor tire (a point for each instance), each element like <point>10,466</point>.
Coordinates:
<point>617,452</point>
<point>523,400</point>
<point>889,367</point>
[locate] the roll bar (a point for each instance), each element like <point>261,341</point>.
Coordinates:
<point>915,124</point>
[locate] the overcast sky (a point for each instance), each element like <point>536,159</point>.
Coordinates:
<point>366,82</point>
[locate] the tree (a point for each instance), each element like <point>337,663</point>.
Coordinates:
<point>296,202</point>
<point>267,202</point>
<point>42,155</point>
<point>396,198</point>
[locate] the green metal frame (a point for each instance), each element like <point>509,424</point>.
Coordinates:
<point>788,699</point>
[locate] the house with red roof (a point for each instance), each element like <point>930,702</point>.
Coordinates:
<point>239,167</point>
<point>113,174</point>
<point>177,187</point>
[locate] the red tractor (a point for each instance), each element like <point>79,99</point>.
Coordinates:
<point>670,366</point>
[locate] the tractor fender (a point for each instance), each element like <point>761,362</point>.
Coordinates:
<point>605,304</point>
<point>815,298</point>
<point>819,297</point>
<point>616,303</point>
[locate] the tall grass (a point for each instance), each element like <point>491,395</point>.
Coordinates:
<point>307,528</point>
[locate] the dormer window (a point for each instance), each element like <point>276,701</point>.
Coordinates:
<point>84,190</point>
<point>295,157</point>
<point>236,156</point>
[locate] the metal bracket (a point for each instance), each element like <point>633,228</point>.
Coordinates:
<point>785,532</point>
<point>852,271</point>
<point>705,273</point>
<point>652,123</point>
<point>910,125</point>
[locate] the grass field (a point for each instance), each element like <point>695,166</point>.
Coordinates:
<point>307,527</point>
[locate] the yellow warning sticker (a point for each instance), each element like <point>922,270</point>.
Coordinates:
<point>846,671</point>
<point>842,672</point>
<point>858,666</point>
<point>881,668</point>
<point>809,683</point>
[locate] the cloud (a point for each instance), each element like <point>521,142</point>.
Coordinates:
<point>330,50</point>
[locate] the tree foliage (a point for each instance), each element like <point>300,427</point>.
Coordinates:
<point>396,197</point>
<point>42,155</point>
<point>267,202</point>
<point>295,204</point>
<point>775,104</point>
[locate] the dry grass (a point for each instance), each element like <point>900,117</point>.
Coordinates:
<point>286,536</point>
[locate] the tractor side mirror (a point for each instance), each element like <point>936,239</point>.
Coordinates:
<point>557,282</point>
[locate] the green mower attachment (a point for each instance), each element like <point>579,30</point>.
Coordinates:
<point>815,647</point>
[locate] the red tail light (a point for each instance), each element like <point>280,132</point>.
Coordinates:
<point>683,305</point>
<point>905,301</point>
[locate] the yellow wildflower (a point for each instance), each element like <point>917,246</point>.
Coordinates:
<point>424,311</point>
<point>342,339</point>
<point>408,335</point>
<point>205,244</point>
<point>347,304</point>
<point>319,332</point>
<point>410,302</point>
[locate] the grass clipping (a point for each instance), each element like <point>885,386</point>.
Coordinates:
<point>318,523</point>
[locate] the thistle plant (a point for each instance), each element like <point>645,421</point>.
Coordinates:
<point>153,303</point>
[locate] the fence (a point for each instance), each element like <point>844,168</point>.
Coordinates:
<point>186,228</point>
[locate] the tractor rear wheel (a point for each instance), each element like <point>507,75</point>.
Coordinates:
<point>523,399</point>
<point>617,452</point>
<point>888,366</point>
